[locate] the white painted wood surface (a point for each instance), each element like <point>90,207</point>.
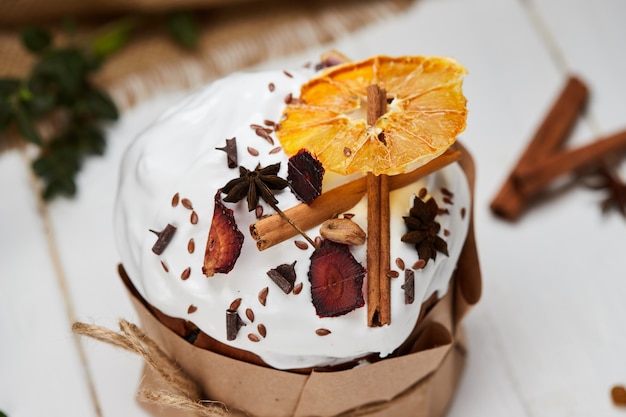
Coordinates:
<point>547,339</point>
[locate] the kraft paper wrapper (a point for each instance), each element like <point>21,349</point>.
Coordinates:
<point>418,384</point>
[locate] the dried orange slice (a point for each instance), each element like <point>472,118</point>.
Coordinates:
<point>425,113</point>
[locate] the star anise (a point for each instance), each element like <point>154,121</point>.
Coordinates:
<point>610,180</point>
<point>424,230</point>
<point>255,184</point>
<point>260,183</point>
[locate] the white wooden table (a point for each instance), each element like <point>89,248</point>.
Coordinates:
<point>549,335</point>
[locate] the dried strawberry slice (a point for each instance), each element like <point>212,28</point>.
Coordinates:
<point>305,174</point>
<point>336,280</point>
<point>224,244</point>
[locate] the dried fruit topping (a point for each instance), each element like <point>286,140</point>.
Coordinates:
<point>231,152</point>
<point>336,280</point>
<point>342,231</point>
<point>284,276</point>
<point>224,243</point>
<point>305,174</point>
<point>423,229</point>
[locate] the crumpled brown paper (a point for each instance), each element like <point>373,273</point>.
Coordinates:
<point>420,383</point>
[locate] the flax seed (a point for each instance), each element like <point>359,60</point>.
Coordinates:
<point>263,296</point>
<point>186,273</point>
<point>187,204</point>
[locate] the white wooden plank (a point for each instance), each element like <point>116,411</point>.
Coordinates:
<point>591,36</point>
<point>40,369</point>
<point>84,226</point>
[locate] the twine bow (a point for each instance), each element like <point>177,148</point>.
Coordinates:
<point>184,391</point>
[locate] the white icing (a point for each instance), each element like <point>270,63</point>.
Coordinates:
<point>177,155</point>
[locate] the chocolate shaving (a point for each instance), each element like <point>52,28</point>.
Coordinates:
<point>175,200</point>
<point>193,218</point>
<point>409,286</point>
<point>164,265</point>
<point>275,150</point>
<point>164,238</point>
<point>233,324</point>
<point>271,87</point>
<point>231,152</point>
<point>322,332</point>
<point>253,338</point>
<point>297,289</point>
<point>262,330</point>
<point>192,309</point>
<point>284,276</point>
<point>252,151</point>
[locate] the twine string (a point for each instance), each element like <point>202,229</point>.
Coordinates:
<point>185,391</point>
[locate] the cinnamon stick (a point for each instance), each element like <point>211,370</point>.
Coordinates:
<point>273,229</point>
<point>378,239</point>
<point>532,179</point>
<point>551,134</point>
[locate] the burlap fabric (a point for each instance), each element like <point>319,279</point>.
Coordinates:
<point>234,35</point>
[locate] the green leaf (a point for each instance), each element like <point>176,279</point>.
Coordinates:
<point>64,68</point>
<point>6,114</point>
<point>43,166</point>
<point>3,414</point>
<point>99,103</point>
<point>112,38</point>
<point>40,104</point>
<point>9,86</point>
<point>183,27</point>
<point>26,125</point>
<point>59,186</point>
<point>36,40</point>
<point>69,25</point>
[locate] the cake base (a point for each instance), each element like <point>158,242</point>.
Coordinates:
<point>418,382</point>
